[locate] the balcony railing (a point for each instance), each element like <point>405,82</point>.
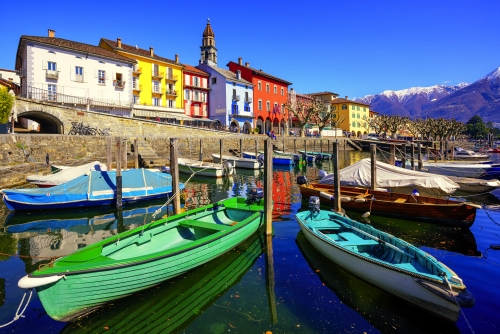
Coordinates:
<point>137,88</point>
<point>172,77</point>
<point>51,74</point>
<point>137,70</point>
<point>159,91</point>
<point>248,100</point>
<point>157,75</point>
<point>236,97</point>
<point>171,92</point>
<point>119,83</point>
<point>51,97</point>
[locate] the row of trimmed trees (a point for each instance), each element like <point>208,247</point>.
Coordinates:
<point>319,113</point>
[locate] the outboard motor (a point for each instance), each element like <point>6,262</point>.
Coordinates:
<point>318,158</point>
<point>301,179</point>
<point>260,159</point>
<point>254,195</point>
<point>165,169</point>
<point>228,168</point>
<point>321,174</point>
<point>314,204</point>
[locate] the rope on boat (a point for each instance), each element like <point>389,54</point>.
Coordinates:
<point>456,302</point>
<point>20,315</point>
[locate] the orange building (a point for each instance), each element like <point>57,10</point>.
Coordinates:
<point>269,97</point>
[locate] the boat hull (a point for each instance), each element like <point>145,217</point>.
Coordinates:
<point>390,280</point>
<point>201,168</point>
<point>277,160</point>
<point>87,286</point>
<point>237,162</point>
<point>427,209</point>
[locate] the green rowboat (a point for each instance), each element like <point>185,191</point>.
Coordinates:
<point>134,260</point>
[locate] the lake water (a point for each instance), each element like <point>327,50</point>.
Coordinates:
<point>238,292</point>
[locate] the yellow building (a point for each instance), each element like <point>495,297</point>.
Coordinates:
<point>157,82</point>
<point>356,116</point>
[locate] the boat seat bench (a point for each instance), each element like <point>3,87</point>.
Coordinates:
<point>351,239</point>
<point>210,226</point>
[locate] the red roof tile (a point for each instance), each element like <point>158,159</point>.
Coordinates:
<point>77,46</point>
<point>137,51</point>
<point>189,68</point>
<point>261,73</point>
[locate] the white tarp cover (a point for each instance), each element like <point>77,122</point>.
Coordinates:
<point>65,175</point>
<point>388,176</point>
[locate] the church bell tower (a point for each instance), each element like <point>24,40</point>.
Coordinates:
<point>208,50</point>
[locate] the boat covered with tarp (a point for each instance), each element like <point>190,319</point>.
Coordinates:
<point>94,188</point>
<point>393,178</point>
<point>64,175</point>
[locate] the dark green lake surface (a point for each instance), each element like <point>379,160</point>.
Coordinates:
<point>234,293</point>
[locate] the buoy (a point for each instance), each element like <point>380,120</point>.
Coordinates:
<point>366,215</point>
<point>360,200</point>
<point>345,199</point>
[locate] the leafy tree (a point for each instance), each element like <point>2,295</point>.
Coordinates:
<point>476,127</point>
<point>6,103</point>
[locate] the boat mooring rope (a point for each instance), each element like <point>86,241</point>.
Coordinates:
<point>20,315</point>
<point>456,302</point>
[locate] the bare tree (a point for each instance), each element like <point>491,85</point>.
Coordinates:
<point>322,114</point>
<point>303,111</point>
<point>395,123</point>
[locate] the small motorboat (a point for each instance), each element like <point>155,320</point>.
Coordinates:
<point>386,261</point>
<point>238,162</point>
<point>203,168</point>
<point>277,159</point>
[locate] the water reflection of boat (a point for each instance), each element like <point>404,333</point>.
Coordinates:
<point>384,311</point>
<point>172,306</point>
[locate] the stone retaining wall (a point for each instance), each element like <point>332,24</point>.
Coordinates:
<point>25,154</point>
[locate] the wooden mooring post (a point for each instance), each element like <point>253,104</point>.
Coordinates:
<point>336,179</point>
<point>109,153</point>
<point>136,153</point>
<point>419,156</point>
<point>221,145</point>
<point>174,172</point>
<point>392,155</point>
<point>403,157</point>
<point>435,152</point>
<point>200,157</point>
<point>241,149</point>
<point>268,185</point>
<point>124,153</point>
<point>373,156</point>
<point>412,156</point>
<point>119,181</point>
<point>271,279</point>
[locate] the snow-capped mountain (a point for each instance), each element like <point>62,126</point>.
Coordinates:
<point>461,101</point>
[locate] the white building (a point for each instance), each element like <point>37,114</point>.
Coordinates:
<point>9,75</point>
<point>63,71</point>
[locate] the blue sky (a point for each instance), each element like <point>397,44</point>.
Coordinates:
<point>353,48</point>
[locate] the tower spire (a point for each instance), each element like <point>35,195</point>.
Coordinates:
<point>208,50</point>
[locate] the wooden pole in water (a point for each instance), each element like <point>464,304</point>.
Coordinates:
<point>336,179</point>
<point>241,148</point>
<point>136,153</point>
<point>295,145</point>
<point>305,146</point>
<point>268,185</point>
<point>221,144</point>
<point>446,149</point>
<point>392,155</point>
<point>124,153</point>
<point>419,156</point>
<point>441,149</point>
<point>201,151</point>
<point>435,152</point>
<point>321,145</point>
<point>452,152</point>
<point>270,278</point>
<point>174,172</point>
<point>314,145</point>
<point>403,158</point>
<point>109,153</point>
<point>345,153</point>
<point>256,148</point>
<point>412,156</point>
<point>373,156</point>
<point>119,172</point>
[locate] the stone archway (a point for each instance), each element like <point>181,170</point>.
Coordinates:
<point>51,119</point>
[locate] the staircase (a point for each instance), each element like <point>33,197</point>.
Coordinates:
<point>351,144</point>
<point>147,156</point>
